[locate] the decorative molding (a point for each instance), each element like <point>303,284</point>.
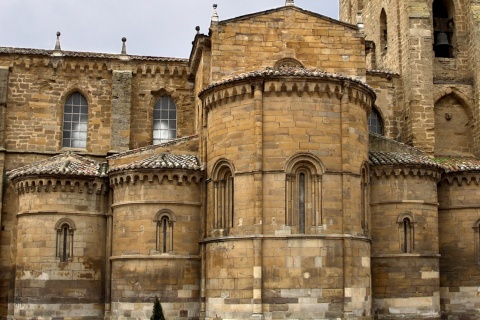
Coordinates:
<point>31,185</point>
<point>332,88</point>
<point>172,176</point>
<point>389,171</point>
<point>461,178</point>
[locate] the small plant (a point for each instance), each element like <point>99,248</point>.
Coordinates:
<point>157,311</point>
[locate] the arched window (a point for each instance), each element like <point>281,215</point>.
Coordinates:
<point>224,188</point>
<point>164,120</point>
<point>75,121</point>
<point>165,220</point>
<point>383,31</point>
<point>443,28</point>
<point>406,222</point>
<point>303,194</point>
<point>65,230</point>
<point>375,122</point>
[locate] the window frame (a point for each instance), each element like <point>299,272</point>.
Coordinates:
<point>162,112</point>
<point>304,193</point>
<point>75,121</point>
<point>65,239</point>
<point>165,220</point>
<point>223,212</point>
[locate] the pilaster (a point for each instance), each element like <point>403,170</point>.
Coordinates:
<point>121,110</point>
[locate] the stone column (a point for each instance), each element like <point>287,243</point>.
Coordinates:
<point>121,110</point>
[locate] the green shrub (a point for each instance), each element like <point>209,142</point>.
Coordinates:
<point>157,311</point>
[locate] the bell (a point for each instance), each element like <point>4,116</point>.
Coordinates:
<point>442,39</point>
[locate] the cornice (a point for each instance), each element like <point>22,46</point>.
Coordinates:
<point>53,184</point>
<point>175,176</point>
<point>461,178</point>
<point>332,88</point>
<point>390,171</point>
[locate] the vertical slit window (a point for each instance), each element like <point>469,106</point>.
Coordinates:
<point>164,120</point>
<point>75,122</point>
<point>301,202</point>
<point>223,215</point>
<point>383,31</point>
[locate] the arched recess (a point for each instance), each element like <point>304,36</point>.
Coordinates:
<point>165,220</point>
<point>303,207</point>
<point>453,127</point>
<point>288,62</point>
<point>223,211</point>
<point>443,28</point>
<point>406,232</point>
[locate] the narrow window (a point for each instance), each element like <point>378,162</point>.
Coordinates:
<point>165,222</point>
<point>375,122</point>
<point>164,120</point>
<point>301,202</point>
<point>383,31</point>
<point>365,212</point>
<point>406,235</point>
<point>223,214</point>
<point>75,121</point>
<point>303,194</point>
<point>65,229</point>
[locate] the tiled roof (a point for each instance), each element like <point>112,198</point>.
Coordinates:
<point>383,72</point>
<point>64,164</point>
<point>458,164</point>
<point>75,54</point>
<point>448,164</point>
<point>152,147</point>
<point>399,158</point>
<point>286,71</point>
<point>162,161</point>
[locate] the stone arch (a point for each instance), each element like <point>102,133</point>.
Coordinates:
<point>63,221</point>
<point>288,62</point>
<point>165,213</point>
<point>307,160</point>
<point>453,124</point>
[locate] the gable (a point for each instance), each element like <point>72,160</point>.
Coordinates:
<point>259,40</point>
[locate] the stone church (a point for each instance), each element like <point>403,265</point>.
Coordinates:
<point>294,167</point>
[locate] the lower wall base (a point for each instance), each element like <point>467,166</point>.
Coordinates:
<point>460,303</point>
<point>133,311</point>
<point>58,311</point>
<point>407,308</point>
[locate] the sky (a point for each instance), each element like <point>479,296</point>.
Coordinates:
<point>162,28</point>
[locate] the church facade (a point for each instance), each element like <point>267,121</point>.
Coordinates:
<point>293,167</point>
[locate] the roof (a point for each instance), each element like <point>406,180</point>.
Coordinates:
<point>163,161</point>
<point>64,164</point>
<point>458,164</point>
<point>286,71</point>
<point>152,147</point>
<point>447,164</point>
<point>77,54</point>
<point>378,158</point>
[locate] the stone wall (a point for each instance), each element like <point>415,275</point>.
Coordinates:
<point>143,267</point>
<point>405,257</point>
<point>309,36</point>
<point>44,280</point>
<point>459,245</point>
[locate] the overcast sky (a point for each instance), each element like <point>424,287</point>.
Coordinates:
<point>152,27</point>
